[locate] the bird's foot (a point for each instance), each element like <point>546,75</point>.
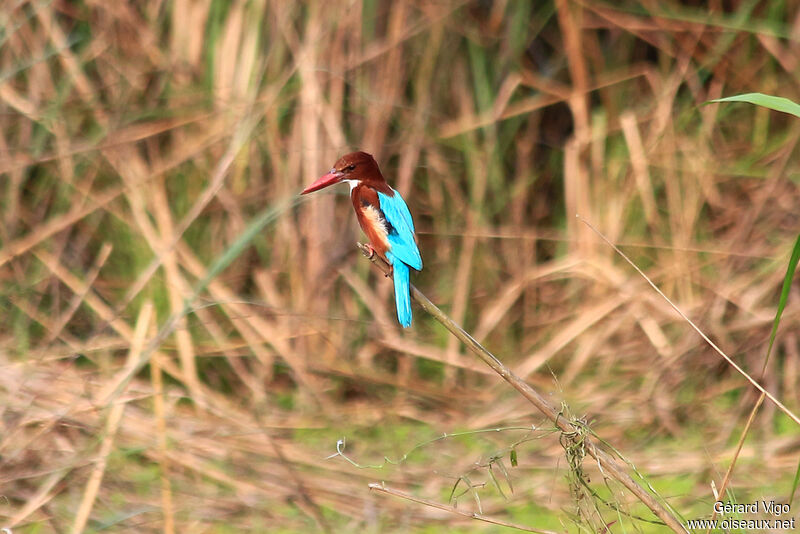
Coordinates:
<point>369,252</point>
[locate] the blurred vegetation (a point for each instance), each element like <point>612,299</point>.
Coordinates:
<point>142,145</point>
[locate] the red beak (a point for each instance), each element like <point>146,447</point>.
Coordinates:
<point>333,177</point>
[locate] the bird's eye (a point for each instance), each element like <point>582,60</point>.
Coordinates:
<point>350,167</point>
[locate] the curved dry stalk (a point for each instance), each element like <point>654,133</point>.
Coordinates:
<point>685,317</point>
<point>606,463</point>
<point>472,515</point>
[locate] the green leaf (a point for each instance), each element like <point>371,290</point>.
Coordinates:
<point>253,229</point>
<point>787,285</point>
<point>514,461</point>
<point>777,103</point>
<point>496,483</point>
<point>499,463</point>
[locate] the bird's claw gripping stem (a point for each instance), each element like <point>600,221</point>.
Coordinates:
<point>369,252</point>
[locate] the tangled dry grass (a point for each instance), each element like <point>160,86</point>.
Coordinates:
<point>138,142</point>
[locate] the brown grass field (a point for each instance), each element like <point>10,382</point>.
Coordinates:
<point>185,340</point>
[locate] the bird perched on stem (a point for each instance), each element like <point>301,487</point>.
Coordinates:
<point>384,217</point>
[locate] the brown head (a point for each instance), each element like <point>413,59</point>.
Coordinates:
<point>356,166</point>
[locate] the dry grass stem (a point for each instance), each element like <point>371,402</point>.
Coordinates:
<point>607,464</point>
<point>719,351</point>
<point>382,488</point>
<point>151,155</point>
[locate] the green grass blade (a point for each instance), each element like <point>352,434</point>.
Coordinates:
<point>787,285</point>
<point>786,106</point>
<point>777,103</point>
<point>267,216</point>
<point>264,218</point>
<point>794,484</point>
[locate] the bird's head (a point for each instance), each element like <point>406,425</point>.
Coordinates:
<point>353,167</point>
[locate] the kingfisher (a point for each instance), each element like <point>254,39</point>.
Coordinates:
<point>384,217</point>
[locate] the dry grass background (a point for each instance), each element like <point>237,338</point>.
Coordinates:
<point>138,140</point>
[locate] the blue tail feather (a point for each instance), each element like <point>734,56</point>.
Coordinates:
<point>402,293</point>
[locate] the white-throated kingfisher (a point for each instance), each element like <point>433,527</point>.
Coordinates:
<point>384,217</point>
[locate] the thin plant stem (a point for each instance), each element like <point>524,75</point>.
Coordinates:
<point>685,317</point>
<point>472,515</point>
<point>606,463</point>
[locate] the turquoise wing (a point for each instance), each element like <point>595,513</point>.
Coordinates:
<point>401,231</point>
